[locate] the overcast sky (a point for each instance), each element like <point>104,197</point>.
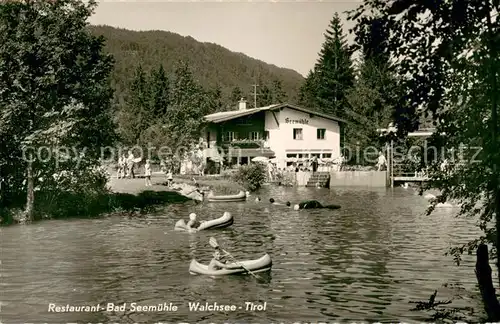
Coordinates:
<point>287,34</point>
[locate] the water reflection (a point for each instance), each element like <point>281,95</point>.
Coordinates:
<point>363,262</point>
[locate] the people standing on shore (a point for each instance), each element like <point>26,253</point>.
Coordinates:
<point>342,161</point>
<point>314,163</point>
<point>382,162</point>
<point>147,173</point>
<point>130,165</point>
<point>119,169</point>
<point>170,178</point>
<point>270,171</point>
<point>123,166</point>
<point>163,166</point>
<point>126,169</point>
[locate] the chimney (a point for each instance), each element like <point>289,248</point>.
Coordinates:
<point>243,104</point>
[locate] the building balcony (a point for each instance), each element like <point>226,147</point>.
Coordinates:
<point>244,143</point>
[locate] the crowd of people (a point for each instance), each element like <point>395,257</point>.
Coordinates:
<point>305,165</point>
<point>126,164</point>
<point>126,168</point>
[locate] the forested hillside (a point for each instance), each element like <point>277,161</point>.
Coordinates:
<point>213,66</point>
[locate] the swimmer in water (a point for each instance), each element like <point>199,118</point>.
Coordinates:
<point>313,204</point>
<point>272,201</point>
<point>257,199</point>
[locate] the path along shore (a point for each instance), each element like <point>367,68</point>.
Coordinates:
<point>158,180</point>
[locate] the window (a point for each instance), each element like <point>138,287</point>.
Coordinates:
<point>320,133</point>
<point>291,156</point>
<point>327,155</point>
<point>316,155</point>
<point>266,135</point>
<point>228,136</point>
<point>254,136</point>
<point>297,134</point>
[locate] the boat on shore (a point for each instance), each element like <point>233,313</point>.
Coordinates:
<point>261,264</point>
<point>241,196</point>
<point>224,221</point>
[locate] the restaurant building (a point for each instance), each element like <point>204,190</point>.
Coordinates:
<point>284,132</point>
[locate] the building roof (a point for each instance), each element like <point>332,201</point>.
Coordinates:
<point>229,115</point>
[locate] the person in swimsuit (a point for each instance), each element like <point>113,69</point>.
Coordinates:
<point>313,204</point>
<point>272,201</point>
<point>193,224</point>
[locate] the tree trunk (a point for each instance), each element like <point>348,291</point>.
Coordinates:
<point>30,198</point>
<point>485,281</point>
<point>496,201</point>
<point>493,56</point>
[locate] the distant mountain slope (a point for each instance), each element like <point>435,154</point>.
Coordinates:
<point>211,64</point>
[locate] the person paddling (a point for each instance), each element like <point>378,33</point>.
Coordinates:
<point>218,262</point>
<point>313,204</point>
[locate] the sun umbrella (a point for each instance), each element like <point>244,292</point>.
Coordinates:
<point>260,159</point>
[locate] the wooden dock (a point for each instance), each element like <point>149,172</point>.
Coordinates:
<point>410,177</point>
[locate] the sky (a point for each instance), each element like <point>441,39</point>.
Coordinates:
<point>286,34</point>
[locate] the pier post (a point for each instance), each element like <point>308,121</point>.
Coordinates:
<point>392,163</point>
<point>388,177</point>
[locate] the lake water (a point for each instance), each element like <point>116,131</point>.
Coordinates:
<point>364,262</point>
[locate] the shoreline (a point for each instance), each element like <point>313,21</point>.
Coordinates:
<point>126,197</point>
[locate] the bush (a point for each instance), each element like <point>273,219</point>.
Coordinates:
<point>251,176</point>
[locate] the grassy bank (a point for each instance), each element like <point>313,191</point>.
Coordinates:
<point>125,197</point>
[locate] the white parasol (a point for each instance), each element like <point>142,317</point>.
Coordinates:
<point>260,159</point>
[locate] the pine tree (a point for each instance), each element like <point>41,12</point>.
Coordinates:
<point>135,116</point>
<point>159,92</point>
<point>334,72</point>
<point>308,91</point>
<point>187,108</point>
<point>215,98</point>
<point>279,95</point>
<point>264,94</point>
<point>184,88</point>
<point>236,95</point>
<point>374,97</point>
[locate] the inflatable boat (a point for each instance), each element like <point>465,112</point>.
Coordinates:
<point>225,220</point>
<point>448,205</point>
<point>241,196</point>
<point>258,265</point>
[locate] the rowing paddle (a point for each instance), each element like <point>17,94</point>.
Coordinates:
<point>213,243</point>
